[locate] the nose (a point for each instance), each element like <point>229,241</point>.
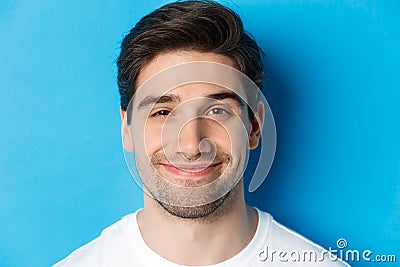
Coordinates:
<point>190,139</point>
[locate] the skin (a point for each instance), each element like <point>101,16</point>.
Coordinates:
<point>203,240</point>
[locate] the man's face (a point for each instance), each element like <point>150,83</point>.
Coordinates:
<point>191,140</point>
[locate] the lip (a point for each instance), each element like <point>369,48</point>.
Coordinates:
<point>191,170</point>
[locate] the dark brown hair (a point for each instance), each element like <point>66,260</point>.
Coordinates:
<point>204,26</point>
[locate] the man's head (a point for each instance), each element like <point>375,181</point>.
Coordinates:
<point>190,139</point>
<point>203,26</point>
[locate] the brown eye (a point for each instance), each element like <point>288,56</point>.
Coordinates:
<point>161,113</point>
<point>217,112</point>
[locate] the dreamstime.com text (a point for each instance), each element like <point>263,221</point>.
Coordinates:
<point>340,253</point>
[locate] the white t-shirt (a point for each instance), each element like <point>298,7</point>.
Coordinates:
<point>122,245</point>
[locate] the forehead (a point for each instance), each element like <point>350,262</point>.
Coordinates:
<point>169,59</point>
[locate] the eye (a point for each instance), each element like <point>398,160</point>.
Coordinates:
<point>217,111</point>
<point>161,113</point>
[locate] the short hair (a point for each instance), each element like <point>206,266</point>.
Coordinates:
<point>201,25</point>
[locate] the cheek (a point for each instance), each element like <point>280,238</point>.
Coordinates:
<point>231,139</point>
<point>146,138</point>
<point>222,140</point>
<point>237,138</point>
<point>152,138</point>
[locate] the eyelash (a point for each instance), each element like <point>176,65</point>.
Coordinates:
<point>157,113</point>
<point>222,111</point>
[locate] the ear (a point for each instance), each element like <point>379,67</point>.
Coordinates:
<point>256,126</point>
<point>125,132</point>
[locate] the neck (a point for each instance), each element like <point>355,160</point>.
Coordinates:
<point>200,241</point>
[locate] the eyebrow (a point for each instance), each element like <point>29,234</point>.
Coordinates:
<point>228,95</point>
<point>152,100</point>
<point>172,98</point>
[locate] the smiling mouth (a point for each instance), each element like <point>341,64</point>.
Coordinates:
<point>191,170</point>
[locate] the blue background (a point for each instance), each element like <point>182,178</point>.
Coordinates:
<point>333,83</point>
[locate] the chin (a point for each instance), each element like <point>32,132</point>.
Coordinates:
<point>196,212</point>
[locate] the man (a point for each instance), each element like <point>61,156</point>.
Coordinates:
<point>190,116</point>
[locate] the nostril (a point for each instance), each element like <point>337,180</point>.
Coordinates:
<point>189,157</point>
<point>206,145</point>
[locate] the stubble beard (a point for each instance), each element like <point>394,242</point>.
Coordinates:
<point>203,213</point>
<point>206,212</point>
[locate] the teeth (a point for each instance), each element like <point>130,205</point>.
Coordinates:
<point>192,168</point>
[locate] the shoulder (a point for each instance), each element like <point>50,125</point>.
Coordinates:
<point>284,245</point>
<point>112,246</point>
